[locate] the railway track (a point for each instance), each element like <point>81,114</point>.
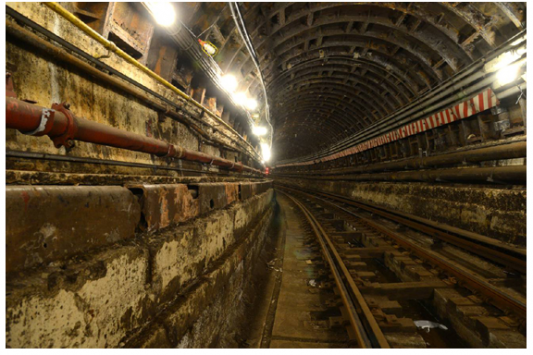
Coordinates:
<point>390,270</point>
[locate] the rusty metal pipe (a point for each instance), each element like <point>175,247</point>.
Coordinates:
<point>64,128</point>
<point>113,48</point>
<point>515,174</point>
<point>499,152</point>
<point>37,42</point>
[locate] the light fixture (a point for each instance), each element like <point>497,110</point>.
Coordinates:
<point>240,98</point>
<point>229,82</point>
<point>507,75</point>
<point>163,12</point>
<point>504,59</point>
<point>265,149</point>
<point>259,131</point>
<point>208,47</point>
<point>251,104</point>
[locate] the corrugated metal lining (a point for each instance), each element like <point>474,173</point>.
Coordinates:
<point>333,69</point>
<point>478,103</point>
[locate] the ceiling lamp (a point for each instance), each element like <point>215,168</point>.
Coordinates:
<point>229,83</point>
<point>259,131</point>
<point>265,149</point>
<point>507,74</point>
<point>251,104</point>
<point>163,12</point>
<point>208,47</point>
<point>240,98</point>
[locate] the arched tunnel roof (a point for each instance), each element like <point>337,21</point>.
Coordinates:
<point>332,69</point>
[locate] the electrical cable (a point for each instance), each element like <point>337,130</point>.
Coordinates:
<point>241,27</point>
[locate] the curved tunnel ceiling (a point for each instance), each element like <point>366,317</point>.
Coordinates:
<point>332,69</point>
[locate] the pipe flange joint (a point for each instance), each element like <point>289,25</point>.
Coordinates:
<point>67,138</point>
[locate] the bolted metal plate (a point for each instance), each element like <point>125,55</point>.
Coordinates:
<point>263,187</point>
<point>232,192</point>
<point>249,190</point>
<point>211,196</point>
<point>45,223</point>
<point>167,204</point>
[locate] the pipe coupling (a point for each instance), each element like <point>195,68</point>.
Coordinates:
<point>175,151</point>
<point>66,138</point>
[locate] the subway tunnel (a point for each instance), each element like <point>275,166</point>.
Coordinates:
<point>265,175</point>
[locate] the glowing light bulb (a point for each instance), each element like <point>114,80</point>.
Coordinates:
<point>229,82</point>
<point>251,104</point>
<point>507,74</point>
<point>163,12</point>
<point>208,48</point>
<point>265,149</point>
<point>259,131</point>
<point>240,98</point>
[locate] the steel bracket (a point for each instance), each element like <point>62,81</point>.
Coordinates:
<point>10,86</point>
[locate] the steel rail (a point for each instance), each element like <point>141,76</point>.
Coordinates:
<point>365,340</point>
<point>474,283</point>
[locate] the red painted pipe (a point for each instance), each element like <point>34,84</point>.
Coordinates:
<point>63,128</point>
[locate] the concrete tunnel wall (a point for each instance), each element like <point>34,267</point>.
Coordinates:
<point>167,286</point>
<point>495,212</point>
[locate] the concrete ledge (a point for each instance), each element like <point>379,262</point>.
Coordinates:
<point>47,223</point>
<point>44,223</point>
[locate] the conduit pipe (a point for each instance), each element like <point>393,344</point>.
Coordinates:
<point>108,74</point>
<point>37,42</point>
<point>499,152</point>
<point>239,22</point>
<point>64,128</point>
<point>505,174</point>
<point>513,90</point>
<point>113,48</point>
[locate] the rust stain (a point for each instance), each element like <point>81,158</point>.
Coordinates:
<point>26,199</point>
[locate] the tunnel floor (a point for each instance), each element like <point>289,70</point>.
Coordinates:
<point>301,304</point>
<point>303,307</point>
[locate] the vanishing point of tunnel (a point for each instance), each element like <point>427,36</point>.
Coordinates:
<point>265,175</point>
